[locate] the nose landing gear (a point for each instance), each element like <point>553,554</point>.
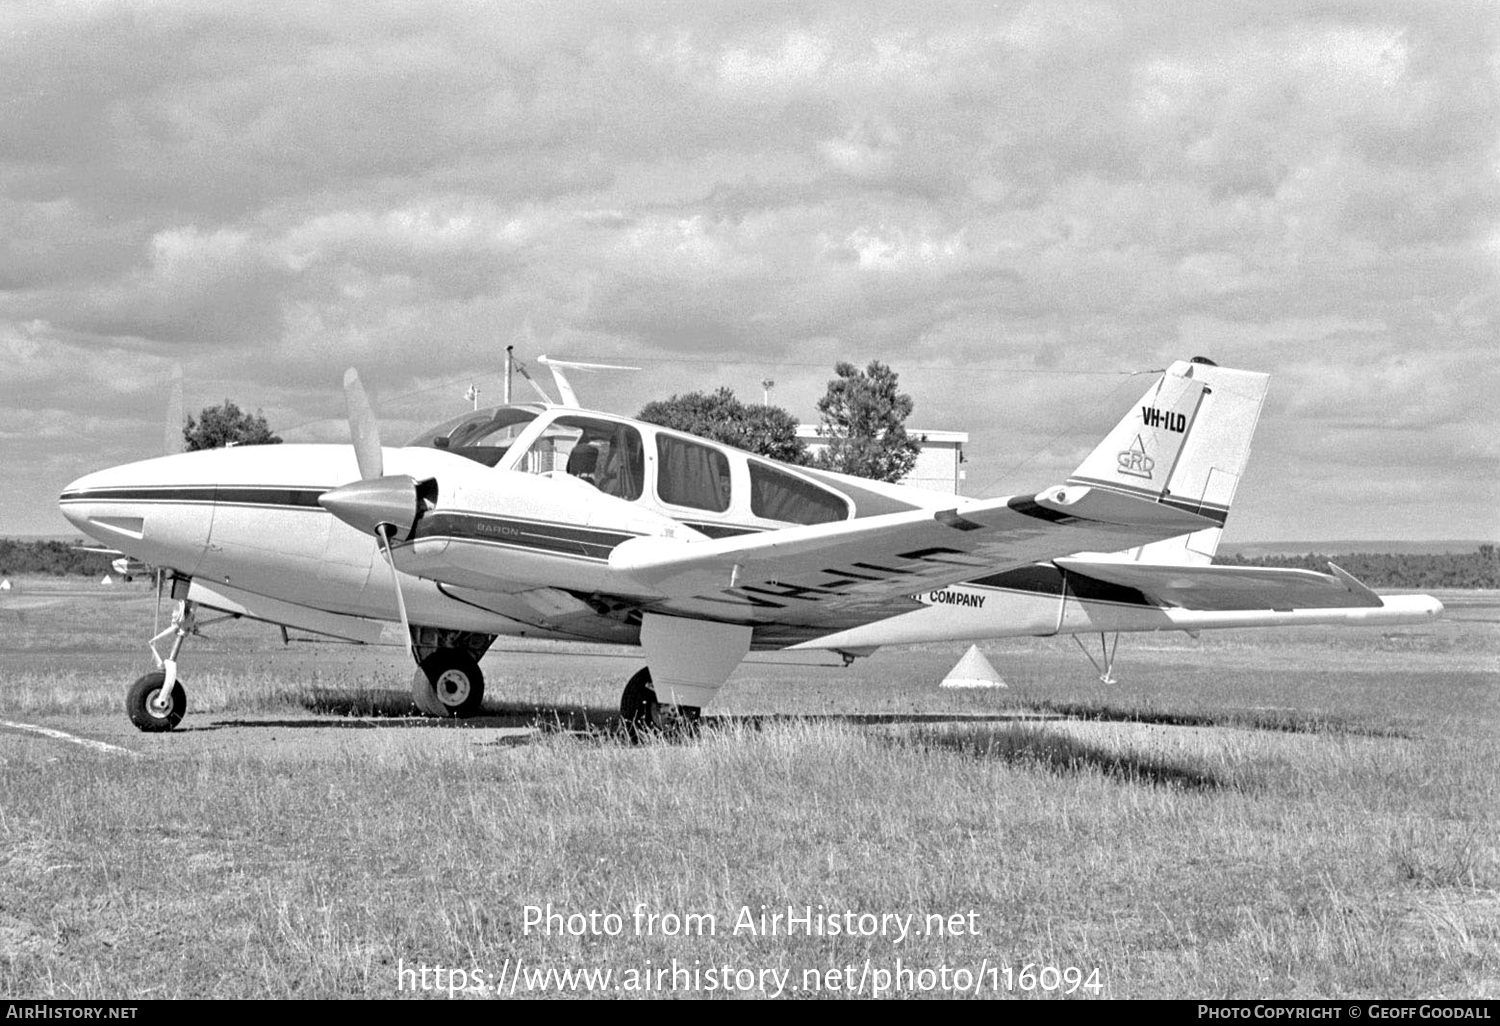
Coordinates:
<point>157,701</point>
<point>153,706</point>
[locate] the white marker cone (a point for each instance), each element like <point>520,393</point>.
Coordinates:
<point>973,671</point>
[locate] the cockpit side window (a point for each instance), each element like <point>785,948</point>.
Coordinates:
<point>691,474</point>
<point>607,455</point>
<point>484,436</point>
<point>777,495</point>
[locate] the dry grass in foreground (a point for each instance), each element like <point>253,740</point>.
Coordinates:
<point>1301,815</point>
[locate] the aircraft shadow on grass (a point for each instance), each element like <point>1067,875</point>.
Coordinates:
<point>1011,737</point>
<point>1070,756</point>
<point>395,704</point>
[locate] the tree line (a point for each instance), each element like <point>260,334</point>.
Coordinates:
<point>1478,569</point>
<point>51,558</point>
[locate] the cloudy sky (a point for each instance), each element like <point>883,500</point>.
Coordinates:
<point>1014,205</point>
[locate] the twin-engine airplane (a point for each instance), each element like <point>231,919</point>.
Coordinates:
<point>547,521</point>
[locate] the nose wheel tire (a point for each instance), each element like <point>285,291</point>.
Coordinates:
<point>448,683</point>
<point>150,709</point>
<point>644,716</point>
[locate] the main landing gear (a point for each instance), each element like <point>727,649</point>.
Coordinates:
<point>157,701</point>
<point>644,716</point>
<point>448,681</point>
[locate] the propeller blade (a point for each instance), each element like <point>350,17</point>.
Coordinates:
<point>384,534</point>
<point>363,431</point>
<point>156,624</point>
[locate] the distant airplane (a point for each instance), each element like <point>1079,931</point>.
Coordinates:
<point>548,521</point>
<point>126,566</point>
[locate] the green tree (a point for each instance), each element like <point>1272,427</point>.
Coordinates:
<point>218,426</point>
<point>864,419</point>
<point>767,430</point>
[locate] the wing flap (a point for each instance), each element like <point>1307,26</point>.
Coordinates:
<point>1225,588</point>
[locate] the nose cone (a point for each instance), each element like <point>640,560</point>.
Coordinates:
<point>365,505</point>
<point>70,509</point>
<point>157,510</point>
<point>109,501</point>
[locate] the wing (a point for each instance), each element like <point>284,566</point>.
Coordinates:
<point>852,572</point>
<point>1225,588</point>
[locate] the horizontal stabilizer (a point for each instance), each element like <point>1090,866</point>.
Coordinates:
<point>1220,588</point>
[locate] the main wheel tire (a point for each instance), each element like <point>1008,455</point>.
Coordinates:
<point>644,716</point>
<point>145,708</point>
<point>423,695</point>
<point>455,683</point>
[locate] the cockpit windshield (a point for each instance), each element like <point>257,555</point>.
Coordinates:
<point>483,436</point>
<point>604,453</point>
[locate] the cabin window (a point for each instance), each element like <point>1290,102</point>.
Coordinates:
<point>777,495</point>
<point>607,455</point>
<point>691,474</point>
<point>484,436</point>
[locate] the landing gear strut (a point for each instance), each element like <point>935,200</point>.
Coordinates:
<point>644,716</point>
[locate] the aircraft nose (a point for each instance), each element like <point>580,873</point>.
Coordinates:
<point>84,496</point>
<point>74,515</point>
<point>157,510</point>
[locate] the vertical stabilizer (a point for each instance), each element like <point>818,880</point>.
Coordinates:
<point>1185,444</point>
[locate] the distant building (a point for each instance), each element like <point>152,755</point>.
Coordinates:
<point>938,468</point>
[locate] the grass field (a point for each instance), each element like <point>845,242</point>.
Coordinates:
<point>1296,813</point>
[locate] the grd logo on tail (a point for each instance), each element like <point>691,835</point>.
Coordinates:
<point>1135,462</point>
